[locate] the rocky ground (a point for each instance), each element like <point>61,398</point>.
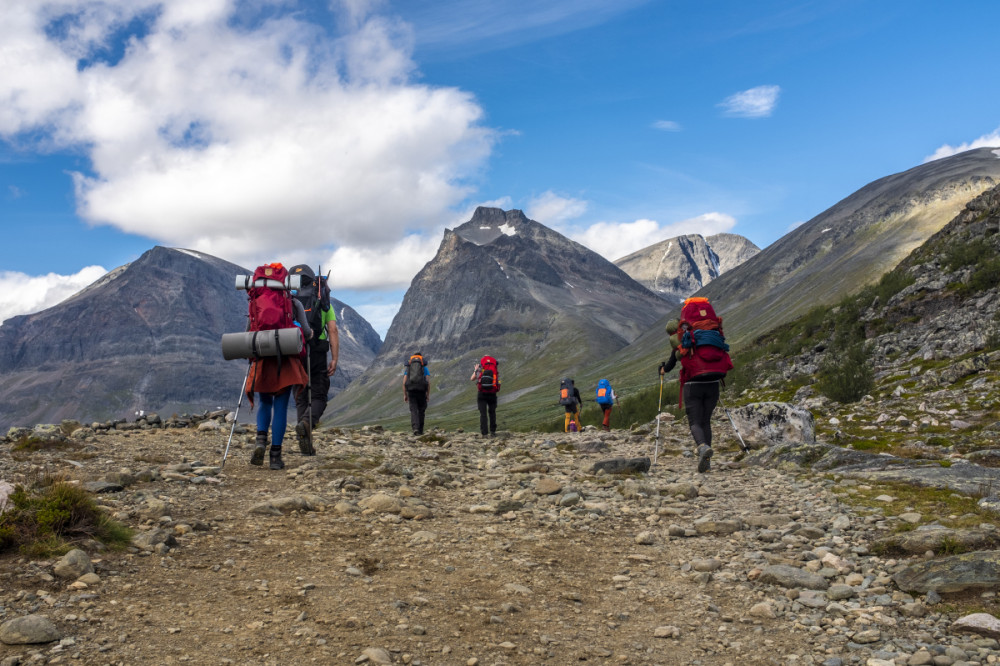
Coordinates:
<point>453,549</point>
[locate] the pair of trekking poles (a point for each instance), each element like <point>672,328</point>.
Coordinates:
<point>659,407</point>
<point>240,404</point>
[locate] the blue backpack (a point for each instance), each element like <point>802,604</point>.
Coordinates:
<point>604,393</point>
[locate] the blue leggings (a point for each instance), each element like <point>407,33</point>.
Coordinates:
<point>279,403</point>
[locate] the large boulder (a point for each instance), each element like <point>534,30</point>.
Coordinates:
<point>977,571</point>
<point>774,422</point>
<point>28,630</point>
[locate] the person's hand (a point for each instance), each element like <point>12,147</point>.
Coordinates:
<point>406,396</point>
<point>663,369</point>
<point>331,368</point>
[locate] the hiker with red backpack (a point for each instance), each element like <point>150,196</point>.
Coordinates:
<point>273,377</point>
<point>698,342</point>
<point>487,378</point>
<point>417,390</point>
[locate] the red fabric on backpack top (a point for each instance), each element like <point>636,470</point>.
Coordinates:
<point>699,314</point>
<point>270,308</point>
<point>488,363</point>
<point>489,377</point>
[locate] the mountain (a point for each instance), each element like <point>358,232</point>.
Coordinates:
<point>678,267</point>
<point>508,286</point>
<point>144,336</point>
<point>849,245</point>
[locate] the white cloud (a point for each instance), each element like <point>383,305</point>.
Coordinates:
<point>756,102</point>
<point>667,125</point>
<point>985,141</point>
<point>614,240</point>
<point>551,209</point>
<point>379,316</point>
<point>236,139</point>
<point>24,294</point>
<point>373,268</point>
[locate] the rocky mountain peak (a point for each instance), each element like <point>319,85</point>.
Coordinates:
<point>678,267</point>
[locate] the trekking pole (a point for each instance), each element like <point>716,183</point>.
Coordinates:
<point>309,397</point>
<point>659,405</point>
<point>237,417</point>
<point>743,445</point>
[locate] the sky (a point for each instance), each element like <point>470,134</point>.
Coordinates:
<point>348,134</point>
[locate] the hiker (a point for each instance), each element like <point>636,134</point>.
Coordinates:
<point>698,342</point>
<point>487,380</point>
<point>570,398</point>
<point>314,296</point>
<point>274,377</point>
<point>606,399</point>
<point>417,390</point>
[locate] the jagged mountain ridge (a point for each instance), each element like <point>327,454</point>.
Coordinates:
<point>507,285</point>
<point>851,244</point>
<point>144,336</point>
<point>677,267</point>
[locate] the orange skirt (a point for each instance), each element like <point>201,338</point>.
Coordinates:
<point>264,376</point>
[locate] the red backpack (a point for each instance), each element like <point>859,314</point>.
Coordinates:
<point>270,309</point>
<point>702,349</point>
<point>489,378</point>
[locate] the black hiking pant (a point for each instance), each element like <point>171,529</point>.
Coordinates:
<point>700,399</point>
<point>487,403</point>
<point>319,382</point>
<point>418,405</point>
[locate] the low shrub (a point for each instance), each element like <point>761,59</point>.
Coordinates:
<point>48,517</point>
<point>848,376</point>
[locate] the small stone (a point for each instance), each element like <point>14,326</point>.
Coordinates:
<point>667,631</point>
<point>547,486</point>
<point>764,609</point>
<point>645,538</point>
<point>375,656</point>
<point>73,564</point>
<point>868,636</point>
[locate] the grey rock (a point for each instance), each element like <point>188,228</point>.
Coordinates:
<point>622,465</point>
<point>920,541</point>
<point>101,487</point>
<point>29,629</point>
<point>149,540</point>
<point>73,564</point>
<point>958,573</point>
<point>774,422</point>
<point>983,624</point>
<point>784,575</point>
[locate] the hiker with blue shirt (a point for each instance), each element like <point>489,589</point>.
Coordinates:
<point>417,390</point>
<point>606,399</point>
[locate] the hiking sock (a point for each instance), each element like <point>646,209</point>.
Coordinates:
<point>257,457</point>
<point>276,462</point>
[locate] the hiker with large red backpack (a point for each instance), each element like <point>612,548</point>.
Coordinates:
<point>697,340</point>
<point>271,309</point>
<point>487,378</point>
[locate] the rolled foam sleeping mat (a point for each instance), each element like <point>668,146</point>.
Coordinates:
<point>261,343</point>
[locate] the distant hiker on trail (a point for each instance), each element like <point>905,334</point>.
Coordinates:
<point>487,380</point>
<point>314,296</point>
<point>570,398</point>
<point>697,340</point>
<point>417,390</point>
<point>606,399</point>
<point>273,377</point>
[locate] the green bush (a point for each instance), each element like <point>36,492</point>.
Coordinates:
<point>846,376</point>
<point>42,520</point>
<point>960,255</point>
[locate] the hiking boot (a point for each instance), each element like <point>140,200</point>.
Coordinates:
<point>257,457</point>
<point>304,434</point>
<point>704,458</point>
<point>276,461</point>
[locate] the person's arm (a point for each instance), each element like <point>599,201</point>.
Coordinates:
<point>299,313</point>
<point>476,373</point>
<point>427,377</point>
<point>669,364</point>
<point>406,396</point>
<point>333,335</point>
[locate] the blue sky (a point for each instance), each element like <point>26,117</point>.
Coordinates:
<point>351,133</point>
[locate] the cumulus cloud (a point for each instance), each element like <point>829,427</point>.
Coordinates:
<point>614,240</point>
<point>25,294</point>
<point>380,316</point>
<point>667,125</point>
<point>756,102</point>
<point>394,266</point>
<point>990,140</point>
<point>551,209</point>
<point>236,135</point>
